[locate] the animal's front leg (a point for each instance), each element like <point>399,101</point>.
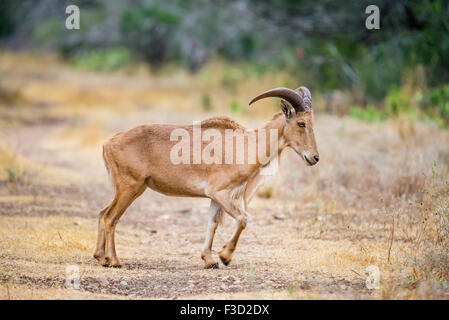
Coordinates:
<point>228,249</point>
<point>206,255</point>
<point>235,206</point>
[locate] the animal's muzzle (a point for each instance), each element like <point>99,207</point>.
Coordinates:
<point>310,161</point>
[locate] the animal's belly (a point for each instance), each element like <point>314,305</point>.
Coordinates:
<point>179,187</point>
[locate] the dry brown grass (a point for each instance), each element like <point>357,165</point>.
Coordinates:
<point>379,196</point>
<point>17,170</point>
<point>400,183</point>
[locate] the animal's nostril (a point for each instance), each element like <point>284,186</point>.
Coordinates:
<point>316,158</point>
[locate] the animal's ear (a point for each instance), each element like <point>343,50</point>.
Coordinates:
<point>286,109</point>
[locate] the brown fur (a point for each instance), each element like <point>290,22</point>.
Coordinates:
<point>222,123</point>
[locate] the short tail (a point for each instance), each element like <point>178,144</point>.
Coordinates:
<point>105,163</point>
<point>108,169</point>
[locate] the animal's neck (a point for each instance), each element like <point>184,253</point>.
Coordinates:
<point>276,123</point>
<point>275,126</point>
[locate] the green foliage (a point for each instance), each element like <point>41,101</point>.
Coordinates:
<point>369,114</point>
<point>243,47</point>
<point>292,289</point>
<point>428,45</point>
<point>7,20</point>
<point>15,174</point>
<point>134,19</point>
<point>206,102</point>
<point>235,106</point>
<point>48,32</point>
<point>323,45</point>
<point>378,70</point>
<point>103,60</point>
<point>436,103</point>
<point>149,29</point>
<point>397,101</point>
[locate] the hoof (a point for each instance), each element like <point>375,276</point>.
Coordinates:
<point>104,261</point>
<point>225,262</point>
<point>115,263</point>
<point>212,266</point>
<point>108,262</point>
<point>98,256</point>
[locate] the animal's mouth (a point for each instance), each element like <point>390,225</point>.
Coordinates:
<point>308,161</point>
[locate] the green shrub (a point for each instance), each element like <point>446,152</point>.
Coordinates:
<point>435,104</point>
<point>15,174</point>
<point>396,101</point>
<point>103,59</point>
<point>369,114</point>
<point>206,102</point>
<point>235,106</point>
<point>48,32</point>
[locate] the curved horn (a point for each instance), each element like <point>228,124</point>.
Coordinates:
<point>306,97</point>
<point>293,96</point>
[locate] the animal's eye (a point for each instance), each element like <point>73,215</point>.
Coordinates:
<point>302,124</point>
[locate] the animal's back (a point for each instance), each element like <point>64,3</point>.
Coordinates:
<point>221,123</point>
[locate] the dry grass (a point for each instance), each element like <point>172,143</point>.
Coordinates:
<point>378,197</point>
<point>17,170</point>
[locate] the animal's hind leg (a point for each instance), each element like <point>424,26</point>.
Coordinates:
<point>100,247</point>
<point>124,197</point>
<point>212,224</point>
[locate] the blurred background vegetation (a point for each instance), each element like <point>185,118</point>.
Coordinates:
<point>403,68</point>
